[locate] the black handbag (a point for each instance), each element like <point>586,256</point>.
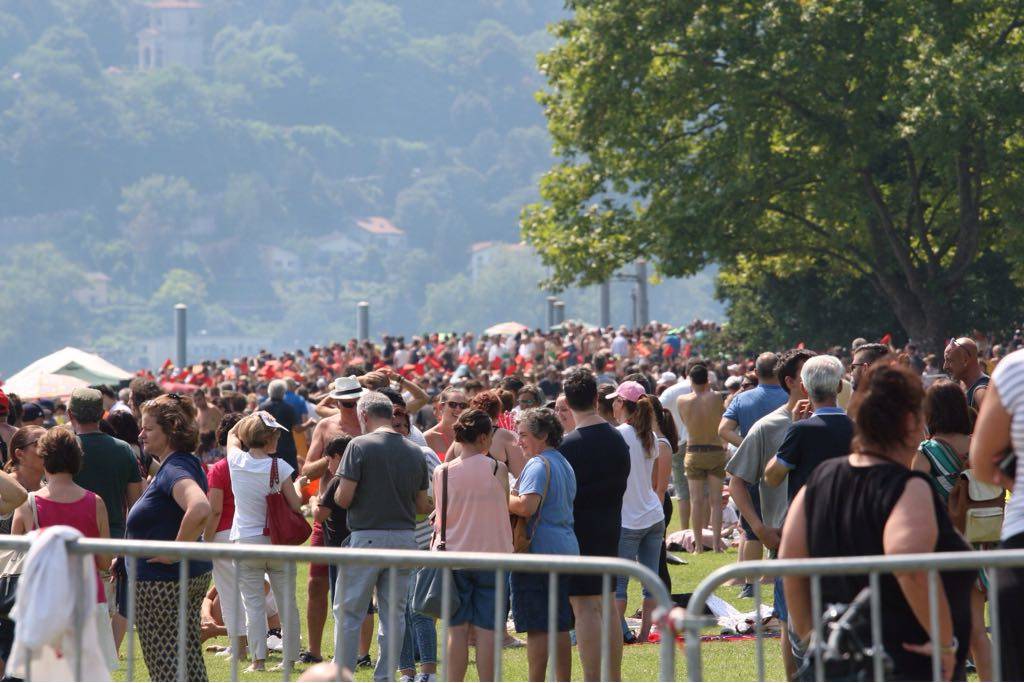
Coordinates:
<point>845,644</point>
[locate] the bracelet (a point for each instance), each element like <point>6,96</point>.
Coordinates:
<point>951,648</point>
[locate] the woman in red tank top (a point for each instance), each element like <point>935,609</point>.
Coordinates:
<point>62,501</point>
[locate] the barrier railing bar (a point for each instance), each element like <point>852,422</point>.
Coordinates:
<point>552,626</point>
<point>758,630</point>
<point>606,627</point>
<point>819,666</point>
<point>991,560</point>
<point>876,625</point>
<point>401,559</point>
<point>499,621</point>
<point>393,559</point>
<point>667,655</point>
<point>182,617</point>
<point>993,615</point>
<point>236,610</point>
<point>340,656</point>
<point>933,625</point>
<point>446,617</point>
<point>129,633</point>
<point>392,653</point>
<point>80,615</point>
<point>286,602</point>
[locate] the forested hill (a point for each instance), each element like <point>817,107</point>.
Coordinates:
<point>260,125</point>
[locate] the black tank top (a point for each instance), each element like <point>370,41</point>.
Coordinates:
<point>978,383</point>
<point>847,508</point>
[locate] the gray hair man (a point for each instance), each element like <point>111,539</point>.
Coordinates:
<point>383,486</point>
<point>287,418</point>
<point>827,433</point>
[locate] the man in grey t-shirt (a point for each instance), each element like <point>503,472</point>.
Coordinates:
<point>747,466</point>
<point>383,486</point>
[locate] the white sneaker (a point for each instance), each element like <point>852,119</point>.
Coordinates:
<point>427,677</point>
<point>406,679</point>
<point>275,643</point>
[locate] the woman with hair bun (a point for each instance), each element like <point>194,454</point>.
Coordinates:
<point>471,495</point>
<point>872,503</point>
<point>643,517</point>
<point>174,507</point>
<point>544,495</point>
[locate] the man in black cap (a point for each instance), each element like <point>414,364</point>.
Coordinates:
<point>32,415</point>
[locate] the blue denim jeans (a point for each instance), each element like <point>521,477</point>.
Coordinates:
<point>643,546</point>
<point>420,634</point>
<point>360,582</point>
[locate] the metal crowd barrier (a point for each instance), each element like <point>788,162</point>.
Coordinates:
<point>873,567</point>
<point>552,565</point>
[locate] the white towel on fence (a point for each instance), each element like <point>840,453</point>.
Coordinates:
<point>56,596</point>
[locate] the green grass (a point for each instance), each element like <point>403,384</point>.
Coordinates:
<point>733,661</point>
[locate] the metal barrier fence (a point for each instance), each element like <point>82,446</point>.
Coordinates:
<point>552,565</point>
<point>873,567</point>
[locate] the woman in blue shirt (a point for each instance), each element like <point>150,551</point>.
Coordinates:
<point>173,508</point>
<point>544,495</point>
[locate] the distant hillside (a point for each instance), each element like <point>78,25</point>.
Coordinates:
<point>226,153</point>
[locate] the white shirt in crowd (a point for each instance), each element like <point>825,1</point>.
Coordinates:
<point>250,484</point>
<point>1009,380</point>
<point>620,347</point>
<point>669,400</point>
<point>641,508</point>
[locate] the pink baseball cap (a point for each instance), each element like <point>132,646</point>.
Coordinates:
<point>628,391</point>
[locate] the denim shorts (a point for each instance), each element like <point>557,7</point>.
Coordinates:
<point>476,591</point>
<point>530,602</point>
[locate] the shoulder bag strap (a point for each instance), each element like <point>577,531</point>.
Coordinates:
<point>444,507</point>
<point>274,478</point>
<point>35,510</point>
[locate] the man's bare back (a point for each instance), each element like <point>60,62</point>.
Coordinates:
<point>701,412</point>
<point>325,430</point>
<point>209,418</point>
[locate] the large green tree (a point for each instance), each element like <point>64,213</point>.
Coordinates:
<point>881,139</point>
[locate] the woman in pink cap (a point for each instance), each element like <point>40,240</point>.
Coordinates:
<point>643,519</point>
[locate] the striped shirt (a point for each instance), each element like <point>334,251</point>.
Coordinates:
<point>1009,382</point>
<point>946,466</point>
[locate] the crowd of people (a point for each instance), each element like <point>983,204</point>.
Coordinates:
<point>573,442</point>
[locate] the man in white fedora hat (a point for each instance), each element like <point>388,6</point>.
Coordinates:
<point>344,393</point>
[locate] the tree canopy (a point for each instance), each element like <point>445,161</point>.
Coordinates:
<point>877,141</point>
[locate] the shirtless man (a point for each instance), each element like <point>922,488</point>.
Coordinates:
<point>209,414</point>
<point>344,394</point>
<point>701,411</point>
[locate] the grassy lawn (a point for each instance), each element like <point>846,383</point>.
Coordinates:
<point>732,661</point>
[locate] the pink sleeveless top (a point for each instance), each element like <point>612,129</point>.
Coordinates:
<point>477,508</point>
<point>80,515</point>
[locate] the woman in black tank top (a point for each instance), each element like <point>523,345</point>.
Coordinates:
<point>872,503</point>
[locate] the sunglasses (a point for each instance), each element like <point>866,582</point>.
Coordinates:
<point>348,404</point>
<point>457,405</point>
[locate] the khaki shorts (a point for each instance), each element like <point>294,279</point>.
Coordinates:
<point>702,462</point>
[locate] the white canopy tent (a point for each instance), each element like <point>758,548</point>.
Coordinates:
<point>75,364</point>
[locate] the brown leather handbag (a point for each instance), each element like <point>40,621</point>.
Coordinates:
<point>522,529</point>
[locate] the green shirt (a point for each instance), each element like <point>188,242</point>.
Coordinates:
<point>107,469</point>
